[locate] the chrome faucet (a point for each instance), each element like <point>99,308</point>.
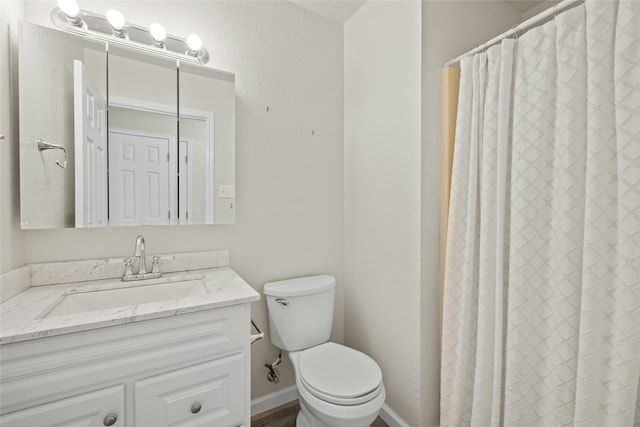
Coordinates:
<point>140,255</point>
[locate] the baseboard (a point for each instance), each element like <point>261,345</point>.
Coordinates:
<point>273,400</point>
<point>390,417</point>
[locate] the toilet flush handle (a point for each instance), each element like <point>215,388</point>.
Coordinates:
<point>282,301</point>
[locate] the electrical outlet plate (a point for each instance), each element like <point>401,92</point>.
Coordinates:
<point>226,191</point>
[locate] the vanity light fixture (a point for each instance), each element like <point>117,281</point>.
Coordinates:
<point>114,30</point>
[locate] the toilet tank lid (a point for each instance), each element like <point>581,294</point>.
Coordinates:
<point>300,286</point>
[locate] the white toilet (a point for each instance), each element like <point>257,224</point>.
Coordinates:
<point>337,385</point>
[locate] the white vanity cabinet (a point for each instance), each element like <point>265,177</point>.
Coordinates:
<point>189,369</point>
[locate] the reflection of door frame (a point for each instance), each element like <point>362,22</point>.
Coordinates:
<point>205,116</point>
<point>187,219</point>
<point>173,166</point>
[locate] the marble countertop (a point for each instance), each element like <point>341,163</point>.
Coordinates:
<point>22,317</point>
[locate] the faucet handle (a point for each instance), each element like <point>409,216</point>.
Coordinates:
<point>127,267</point>
<point>155,267</point>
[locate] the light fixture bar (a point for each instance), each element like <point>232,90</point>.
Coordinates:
<point>96,27</point>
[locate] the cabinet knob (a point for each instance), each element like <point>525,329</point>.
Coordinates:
<point>110,420</point>
<point>195,408</point>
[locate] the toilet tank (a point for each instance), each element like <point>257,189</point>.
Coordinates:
<point>300,311</point>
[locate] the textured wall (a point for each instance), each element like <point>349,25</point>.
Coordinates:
<point>382,194</point>
<point>392,184</point>
<point>289,216</point>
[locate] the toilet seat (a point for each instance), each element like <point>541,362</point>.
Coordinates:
<point>340,375</point>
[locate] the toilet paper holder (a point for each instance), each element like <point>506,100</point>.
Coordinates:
<point>255,337</point>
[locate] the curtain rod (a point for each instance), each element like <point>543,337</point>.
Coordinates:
<point>529,23</point>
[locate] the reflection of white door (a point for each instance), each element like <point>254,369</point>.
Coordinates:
<point>90,150</point>
<point>138,179</point>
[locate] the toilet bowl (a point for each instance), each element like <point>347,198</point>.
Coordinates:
<point>338,386</point>
<point>339,392</point>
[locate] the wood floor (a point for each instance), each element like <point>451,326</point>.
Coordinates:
<point>285,416</point>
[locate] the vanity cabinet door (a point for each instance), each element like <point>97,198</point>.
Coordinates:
<point>95,409</point>
<point>208,394</point>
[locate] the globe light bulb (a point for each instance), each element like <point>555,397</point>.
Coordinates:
<point>116,19</point>
<point>69,7</point>
<point>158,33</point>
<point>194,42</point>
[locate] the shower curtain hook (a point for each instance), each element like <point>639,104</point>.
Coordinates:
<point>515,32</point>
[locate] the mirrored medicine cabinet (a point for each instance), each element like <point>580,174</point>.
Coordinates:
<point>114,137</point>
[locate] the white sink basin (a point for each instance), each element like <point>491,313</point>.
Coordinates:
<point>135,294</point>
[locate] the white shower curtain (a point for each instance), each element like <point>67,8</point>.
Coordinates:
<point>541,315</point>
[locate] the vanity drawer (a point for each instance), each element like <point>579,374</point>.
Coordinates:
<point>207,394</point>
<point>99,408</point>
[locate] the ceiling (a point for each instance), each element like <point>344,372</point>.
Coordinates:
<point>336,10</point>
<point>341,10</point>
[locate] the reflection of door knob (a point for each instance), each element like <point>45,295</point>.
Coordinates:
<point>1,136</point>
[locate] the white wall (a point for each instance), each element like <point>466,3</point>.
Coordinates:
<point>289,183</point>
<point>392,184</point>
<point>537,9</point>
<point>12,246</point>
<point>382,194</point>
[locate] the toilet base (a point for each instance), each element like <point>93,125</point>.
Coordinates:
<point>302,420</point>
<point>305,418</point>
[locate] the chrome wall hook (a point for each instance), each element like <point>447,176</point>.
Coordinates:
<point>44,145</point>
